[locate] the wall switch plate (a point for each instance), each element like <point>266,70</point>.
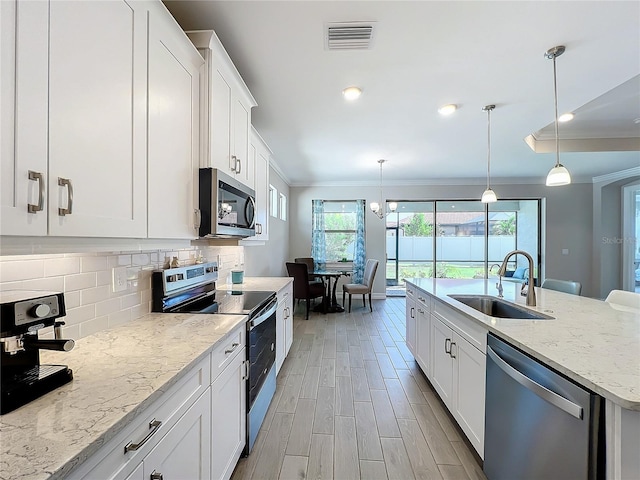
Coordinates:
<point>219,262</point>
<point>119,279</point>
<point>565,251</point>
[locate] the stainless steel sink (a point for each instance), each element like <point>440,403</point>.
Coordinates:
<point>496,307</point>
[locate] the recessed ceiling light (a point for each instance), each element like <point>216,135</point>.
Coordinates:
<point>351,93</point>
<point>566,117</point>
<point>447,109</point>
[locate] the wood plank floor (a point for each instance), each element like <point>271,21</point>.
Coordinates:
<point>351,403</point>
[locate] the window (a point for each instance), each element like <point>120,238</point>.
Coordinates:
<point>338,233</point>
<point>283,207</point>
<point>340,230</point>
<point>273,201</point>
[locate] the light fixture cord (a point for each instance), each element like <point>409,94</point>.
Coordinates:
<point>381,197</point>
<point>555,95</point>
<point>488,147</point>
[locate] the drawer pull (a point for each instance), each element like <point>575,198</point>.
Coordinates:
<point>154,425</point>
<point>156,475</point>
<point>447,341</point>
<point>233,347</point>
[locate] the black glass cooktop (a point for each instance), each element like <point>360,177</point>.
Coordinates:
<point>231,302</point>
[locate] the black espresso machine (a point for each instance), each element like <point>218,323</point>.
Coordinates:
<point>22,315</point>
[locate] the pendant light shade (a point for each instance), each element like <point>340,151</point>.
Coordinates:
<point>558,175</point>
<point>489,196</point>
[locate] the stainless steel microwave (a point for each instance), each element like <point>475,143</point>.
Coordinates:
<point>228,207</point>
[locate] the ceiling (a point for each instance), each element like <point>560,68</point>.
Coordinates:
<point>425,54</point>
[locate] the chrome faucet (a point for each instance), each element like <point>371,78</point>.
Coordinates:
<point>531,292</point>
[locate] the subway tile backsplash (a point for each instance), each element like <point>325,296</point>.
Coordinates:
<point>85,279</point>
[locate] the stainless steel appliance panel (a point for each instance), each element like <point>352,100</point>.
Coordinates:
<point>538,424</point>
<point>227,207</point>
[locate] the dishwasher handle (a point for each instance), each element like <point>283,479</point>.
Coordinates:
<point>541,391</point>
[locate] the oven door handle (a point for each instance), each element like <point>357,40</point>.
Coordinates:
<point>269,310</point>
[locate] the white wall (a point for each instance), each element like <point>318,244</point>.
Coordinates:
<point>568,221</point>
<point>268,260</point>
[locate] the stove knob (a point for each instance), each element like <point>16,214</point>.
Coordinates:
<point>40,310</point>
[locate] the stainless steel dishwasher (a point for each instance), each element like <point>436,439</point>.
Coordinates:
<point>539,425</point>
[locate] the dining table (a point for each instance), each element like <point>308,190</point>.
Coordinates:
<point>330,302</point>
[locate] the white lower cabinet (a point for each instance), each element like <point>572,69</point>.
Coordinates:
<point>410,322</point>
<point>458,375</point>
<point>450,349</point>
<point>284,324</point>
<point>179,415</point>
<point>442,368</point>
<point>423,335</point>
<point>137,474</point>
<point>184,451</point>
<point>228,419</point>
<point>469,371</point>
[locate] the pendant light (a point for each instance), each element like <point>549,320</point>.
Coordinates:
<point>376,207</point>
<point>489,196</point>
<point>558,175</point>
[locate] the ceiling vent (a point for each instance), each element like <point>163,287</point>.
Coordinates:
<point>349,35</point>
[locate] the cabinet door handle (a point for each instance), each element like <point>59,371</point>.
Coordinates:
<point>448,340</point>
<point>238,165</point>
<point>411,312</point>
<point>37,176</point>
<point>156,475</point>
<point>453,344</point>
<point>234,163</point>
<point>234,345</point>
<point>198,218</point>
<point>154,425</point>
<point>65,182</point>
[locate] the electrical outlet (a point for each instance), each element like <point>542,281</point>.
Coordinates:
<point>119,279</point>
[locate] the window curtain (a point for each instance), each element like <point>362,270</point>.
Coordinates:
<point>360,254</point>
<point>318,239</point>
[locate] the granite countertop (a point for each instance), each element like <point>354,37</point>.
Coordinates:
<point>595,343</point>
<point>117,374</point>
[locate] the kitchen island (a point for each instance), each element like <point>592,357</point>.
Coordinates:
<point>119,373</point>
<point>595,344</point>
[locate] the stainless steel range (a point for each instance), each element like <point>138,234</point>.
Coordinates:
<point>192,289</point>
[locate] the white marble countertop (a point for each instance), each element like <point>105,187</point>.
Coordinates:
<point>595,343</point>
<point>117,373</point>
<point>260,284</point>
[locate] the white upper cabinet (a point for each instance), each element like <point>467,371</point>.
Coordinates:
<point>24,29</point>
<point>225,117</point>
<point>259,155</point>
<point>97,119</point>
<point>174,79</point>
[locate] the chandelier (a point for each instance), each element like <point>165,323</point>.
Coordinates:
<point>377,207</point>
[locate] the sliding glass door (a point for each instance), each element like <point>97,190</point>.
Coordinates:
<point>460,239</point>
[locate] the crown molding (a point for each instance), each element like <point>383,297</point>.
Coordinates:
<point>279,171</point>
<point>615,176</point>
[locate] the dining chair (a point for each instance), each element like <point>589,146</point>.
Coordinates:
<point>622,297</point>
<point>309,262</point>
<point>565,286</point>
<point>365,287</point>
<point>302,289</point>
